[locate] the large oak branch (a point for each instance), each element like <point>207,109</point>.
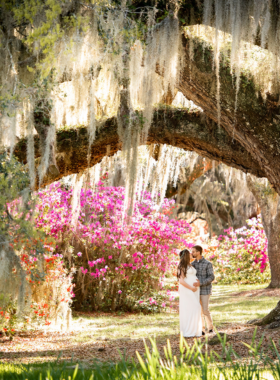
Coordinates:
<point>188,130</point>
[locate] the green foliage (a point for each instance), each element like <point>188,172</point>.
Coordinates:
<point>45,33</point>
<point>16,205</point>
<point>52,20</point>
<point>13,179</point>
<point>14,190</point>
<point>14,183</point>
<point>6,100</point>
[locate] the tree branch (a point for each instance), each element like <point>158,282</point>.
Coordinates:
<point>176,127</point>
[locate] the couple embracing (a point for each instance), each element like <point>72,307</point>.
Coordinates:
<point>195,288</point>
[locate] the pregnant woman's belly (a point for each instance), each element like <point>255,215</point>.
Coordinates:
<point>190,280</point>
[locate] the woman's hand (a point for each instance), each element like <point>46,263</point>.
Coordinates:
<point>194,289</point>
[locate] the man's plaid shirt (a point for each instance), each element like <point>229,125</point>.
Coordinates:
<point>205,274</point>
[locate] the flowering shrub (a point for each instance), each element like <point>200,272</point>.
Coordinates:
<point>8,315</point>
<point>35,285</point>
<point>119,262</point>
<point>240,255</point>
<point>50,290</point>
<point>50,282</point>
<point>52,297</point>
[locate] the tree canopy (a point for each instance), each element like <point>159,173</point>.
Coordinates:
<point>238,125</point>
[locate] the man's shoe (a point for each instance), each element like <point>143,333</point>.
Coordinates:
<point>203,333</point>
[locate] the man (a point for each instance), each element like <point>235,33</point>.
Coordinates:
<point>205,275</point>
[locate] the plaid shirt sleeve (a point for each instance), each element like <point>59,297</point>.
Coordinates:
<point>209,275</point>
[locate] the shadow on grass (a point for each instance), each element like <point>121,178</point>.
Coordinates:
<point>110,350</point>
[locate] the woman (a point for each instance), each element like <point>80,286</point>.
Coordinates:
<point>189,304</point>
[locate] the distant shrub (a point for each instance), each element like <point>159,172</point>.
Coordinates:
<point>240,256</point>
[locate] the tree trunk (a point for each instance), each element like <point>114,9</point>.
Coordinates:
<point>269,202</point>
<point>273,249</point>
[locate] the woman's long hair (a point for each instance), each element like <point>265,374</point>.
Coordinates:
<point>184,264</point>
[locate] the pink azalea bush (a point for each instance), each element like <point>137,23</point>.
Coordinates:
<point>119,262</point>
<point>240,256</point>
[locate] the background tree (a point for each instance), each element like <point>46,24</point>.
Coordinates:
<point>269,203</point>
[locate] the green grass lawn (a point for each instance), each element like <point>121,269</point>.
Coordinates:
<point>236,309</point>
<point>226,309</point>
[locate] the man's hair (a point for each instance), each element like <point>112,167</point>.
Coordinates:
<point>198,248</point>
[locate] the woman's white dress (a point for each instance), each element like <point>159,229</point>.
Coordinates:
<point>189,307</point>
